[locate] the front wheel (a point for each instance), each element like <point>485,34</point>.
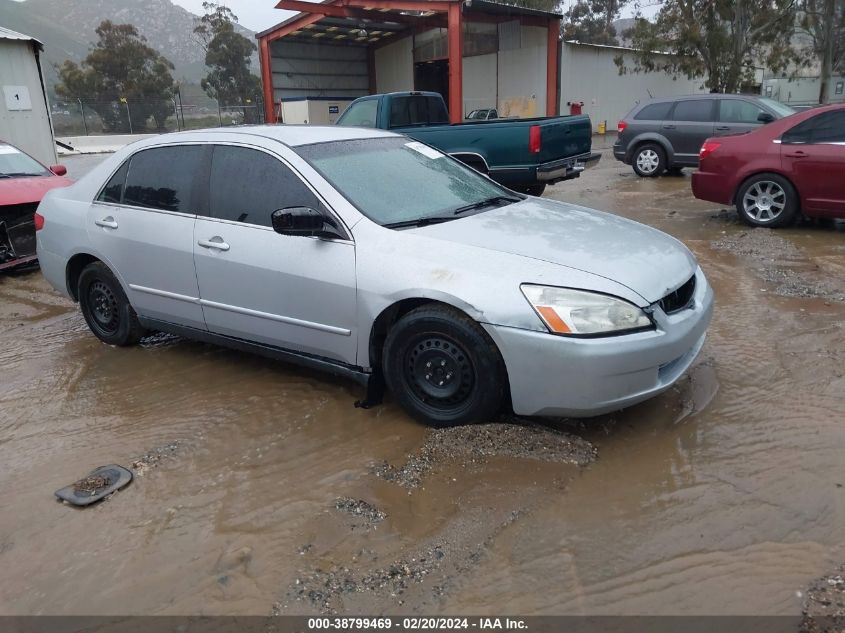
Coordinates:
<point>767,200</point>
<point>442,367</point>
<point>105,307</point>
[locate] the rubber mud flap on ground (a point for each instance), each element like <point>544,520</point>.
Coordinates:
<point>99,483</point>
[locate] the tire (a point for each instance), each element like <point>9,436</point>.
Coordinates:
<point>649,160</point>
<point>105,307</point>
<point>535,189</point>
<point>767,200</point>
<point>442,368</point>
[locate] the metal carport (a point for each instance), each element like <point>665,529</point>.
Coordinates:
<point>312,40</point>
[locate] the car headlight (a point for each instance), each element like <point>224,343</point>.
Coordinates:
<point>579,312</point>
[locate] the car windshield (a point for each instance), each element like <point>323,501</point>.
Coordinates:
<point>14,162</point>
<point>396,180</point>
<point>782,109</point>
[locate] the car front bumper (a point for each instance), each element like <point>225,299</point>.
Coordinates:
<point>581,377</point>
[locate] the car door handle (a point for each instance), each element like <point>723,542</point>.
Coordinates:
<point>797,154</point>
<point>722,128</point>
<point>668,127</point>
<point>108,222</point>
<point>216,243</point>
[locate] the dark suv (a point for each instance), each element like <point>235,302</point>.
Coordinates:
<point>667,133</point>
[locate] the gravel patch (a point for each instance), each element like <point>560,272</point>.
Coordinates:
<point>779,262</point>
<point>824,604</point>
<point>152,458</point>
<point>360,509</point>
<point>475,443</point>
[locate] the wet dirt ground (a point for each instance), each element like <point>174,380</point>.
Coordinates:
<point>260,488</point>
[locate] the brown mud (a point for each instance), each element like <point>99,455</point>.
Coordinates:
<point>723,495</point>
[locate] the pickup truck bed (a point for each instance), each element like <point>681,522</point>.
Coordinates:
<point>524,154</point>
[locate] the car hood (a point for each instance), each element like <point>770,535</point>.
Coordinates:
<point>26,189</point>
<point>649,262</point>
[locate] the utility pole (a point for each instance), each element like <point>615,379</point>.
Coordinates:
<point>82,111</point>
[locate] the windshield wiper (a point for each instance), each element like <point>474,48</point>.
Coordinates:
<point>487,202</point>
<point>13,174</point>
<point>418,222</point>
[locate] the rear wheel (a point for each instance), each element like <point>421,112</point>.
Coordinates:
<point>649,160</point>
<point>442,368</point>
<point>105,307</point>
<point>767,200</point>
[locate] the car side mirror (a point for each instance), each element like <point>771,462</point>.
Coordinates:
<point>58,170</point>
<point>765,117</point>
<point>304,221</point>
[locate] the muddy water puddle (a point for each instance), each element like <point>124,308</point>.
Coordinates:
<point>264,490</point>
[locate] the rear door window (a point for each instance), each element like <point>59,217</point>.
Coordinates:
<point>361,114</point>
<point>163,178</point>
<point>113,191</point>
<point>654,112</point>
<point>695,110</point>
<point>738,111</point>
<point>247,185</point>
<point>828,127</point>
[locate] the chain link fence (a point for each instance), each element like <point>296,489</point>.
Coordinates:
<point>92,117</point>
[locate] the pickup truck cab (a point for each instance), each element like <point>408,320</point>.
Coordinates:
<point>522,154</point>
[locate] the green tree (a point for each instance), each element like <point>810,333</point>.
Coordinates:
<point>120,70</point>
<point>227,55</point>
<point>591,21</point>
<point>723,41</point>
<point>823,22</point>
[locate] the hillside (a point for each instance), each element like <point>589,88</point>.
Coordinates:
<point>66,27</point>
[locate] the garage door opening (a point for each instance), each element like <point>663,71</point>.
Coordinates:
<point>433,76</point>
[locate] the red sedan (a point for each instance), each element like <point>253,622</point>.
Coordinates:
<point>791,166</point>
<point>23,182</point>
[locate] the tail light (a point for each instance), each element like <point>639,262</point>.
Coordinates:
<point>708,148</point>
<point>620,127</point>
<point>534,139</point>
<point>38,221</point>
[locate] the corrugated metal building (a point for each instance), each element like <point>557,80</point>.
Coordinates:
<point>476,53</point>
<point>589,73</point>
<point>24,113</point>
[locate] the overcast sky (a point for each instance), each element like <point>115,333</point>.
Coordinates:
<point>253,14</point>
<point>262,14</point>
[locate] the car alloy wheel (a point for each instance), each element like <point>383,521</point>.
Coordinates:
<point>648,161</point>
<point>764,201</point>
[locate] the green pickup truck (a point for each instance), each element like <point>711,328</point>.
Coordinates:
<point>523,154</point>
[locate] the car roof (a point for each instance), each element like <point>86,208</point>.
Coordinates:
<point>701,95</point>
<point>290,135</point>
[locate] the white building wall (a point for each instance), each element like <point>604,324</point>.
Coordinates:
<point>480,82</point>
<point>803,90</point>
<point>589,74</point>
<point>522,75</point>
<point>29,128</point>
<point>395,66</point>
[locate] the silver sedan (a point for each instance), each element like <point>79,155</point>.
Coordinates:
<point>376,257</point>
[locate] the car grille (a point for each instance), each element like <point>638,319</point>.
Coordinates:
<point>679,299</point>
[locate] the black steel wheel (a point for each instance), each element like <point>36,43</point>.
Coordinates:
<point>105,307</point>
<point>443,368</point>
